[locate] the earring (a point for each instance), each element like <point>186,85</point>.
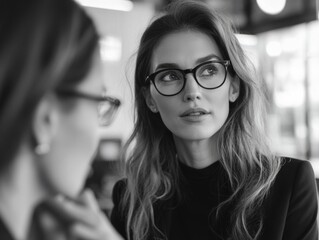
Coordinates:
<point>42,148</point>
<point>232,99</point>
<point>154,109</point>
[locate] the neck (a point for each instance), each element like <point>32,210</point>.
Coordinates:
<point>19,193</point>
<point>197,153</point>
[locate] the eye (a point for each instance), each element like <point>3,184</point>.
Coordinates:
<point>169,76</point>
<point>208,70</point>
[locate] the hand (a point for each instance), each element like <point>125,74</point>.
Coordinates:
<point>64,219</point>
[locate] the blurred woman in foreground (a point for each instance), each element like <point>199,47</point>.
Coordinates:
<point>52,100</point>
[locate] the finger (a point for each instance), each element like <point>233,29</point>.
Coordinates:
<point>69,211</point>
<point>78,212</point>
<point>80,231</point>
<point>88,199</point>
<point>50,229</point>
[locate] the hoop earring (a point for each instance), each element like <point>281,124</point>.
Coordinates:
<point>42,148</point>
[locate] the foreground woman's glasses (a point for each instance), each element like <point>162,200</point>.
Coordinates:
<point>107,106</point>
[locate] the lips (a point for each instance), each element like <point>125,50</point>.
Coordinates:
<point>194,112</point>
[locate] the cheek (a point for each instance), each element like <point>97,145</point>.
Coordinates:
<point>71,152</point>
<point>220,103</point>
<point>169,117</point>
<point>168,108</point>
<point>82,130</point>
<point>220,106</point>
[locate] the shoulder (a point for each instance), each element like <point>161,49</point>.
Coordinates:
<point>294,180</point>
<point>295,169</point>
<point>293,163</point>
<point>291,207</point>
<point>295,187</point>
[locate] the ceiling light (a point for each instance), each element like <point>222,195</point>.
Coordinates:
<point>111,49</point>
<point>118,5</point>
<point>271,6</point>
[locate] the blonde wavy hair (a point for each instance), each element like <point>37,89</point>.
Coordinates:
<point>151,166</point>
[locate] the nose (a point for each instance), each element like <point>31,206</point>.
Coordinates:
<point>191,89</point>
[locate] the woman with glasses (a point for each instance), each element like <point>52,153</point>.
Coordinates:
<point>52,103</point>
<point>201,167</point>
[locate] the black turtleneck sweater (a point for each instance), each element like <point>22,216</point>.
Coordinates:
<point>289,212</point>
<point>202,191</point>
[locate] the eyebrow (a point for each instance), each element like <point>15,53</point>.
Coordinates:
<point>207,58</point>
<point>198,61</point>
<point>166,65</point>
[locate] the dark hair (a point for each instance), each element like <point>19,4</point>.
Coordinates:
<point>44,45</point>
<point>152,168</point>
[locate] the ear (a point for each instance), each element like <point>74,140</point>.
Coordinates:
<point>44,123</point>
<point>150,102</point>
<point>234,89</point>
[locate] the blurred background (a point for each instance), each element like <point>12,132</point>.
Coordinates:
<point>280,36</point>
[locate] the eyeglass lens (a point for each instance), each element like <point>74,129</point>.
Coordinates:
<point>107,112</point>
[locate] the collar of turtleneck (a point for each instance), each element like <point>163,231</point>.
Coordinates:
<point>208,172</point>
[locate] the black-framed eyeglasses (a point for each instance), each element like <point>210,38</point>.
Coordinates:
<point>208,75</point>
<point>107,106</point>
